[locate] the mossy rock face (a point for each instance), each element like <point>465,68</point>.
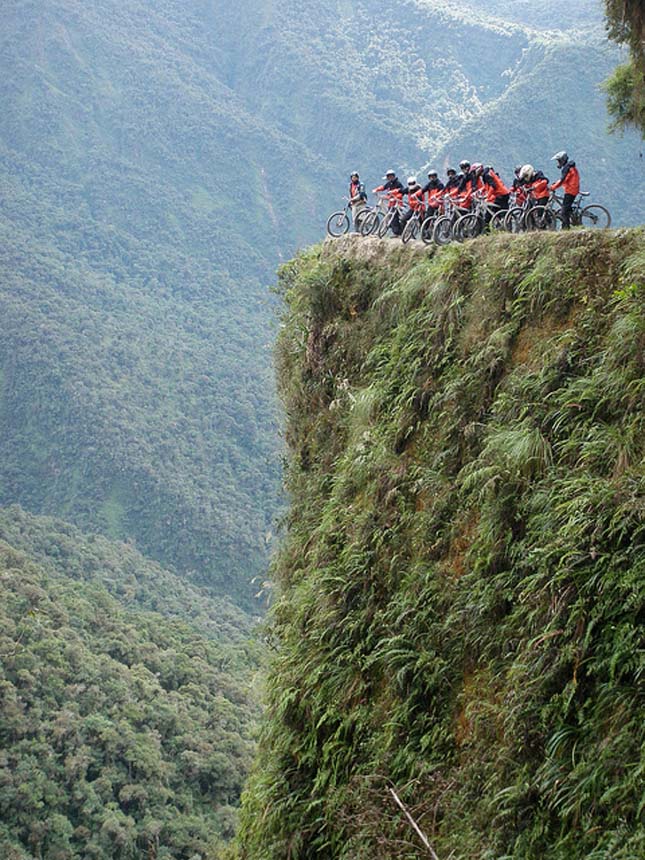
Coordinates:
<point>463,572</point>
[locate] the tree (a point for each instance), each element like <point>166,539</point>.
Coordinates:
<point>626,87</point>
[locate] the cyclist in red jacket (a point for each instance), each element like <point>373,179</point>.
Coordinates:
<point>395,189</point>
<point>415,201</point>
<point>535,183</point>
<point>434,188</point>
<point>570,181</point>
<point>392,183</point>
<point>496,192</point>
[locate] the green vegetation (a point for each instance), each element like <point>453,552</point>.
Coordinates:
<point>120,412</point>
<point>626,87</point>
<point>153,175</point>
<point>462,581</point>
<point>124,733</point>
<point>157,159</point>
<point>138,583</point>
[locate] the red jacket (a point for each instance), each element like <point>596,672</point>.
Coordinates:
<point>435,196</point>
<point>394,188</point>
<point>393,197</point>
<point>494,185</point>
<point>538,186</point>
<point>415,198</point>
<point>570,179</point>
<point>464,199</point>
<point>452,188</point>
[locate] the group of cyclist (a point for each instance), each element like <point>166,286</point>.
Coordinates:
<point>461,187</point>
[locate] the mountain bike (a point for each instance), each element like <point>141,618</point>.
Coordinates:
<point>395,206</point>
<point>339,222</point>
<point>413,225</point>
<point>499,221</point>
<point>593,215</point>
<point>473,223</point>
<point>442,232</point>
<point>529,216</point>
<point>371,221</point>
<point>427,227</point>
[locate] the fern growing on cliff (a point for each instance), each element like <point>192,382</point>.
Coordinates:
<point>462,575</point>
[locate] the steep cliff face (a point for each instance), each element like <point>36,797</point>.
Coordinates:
<point>464,563</point>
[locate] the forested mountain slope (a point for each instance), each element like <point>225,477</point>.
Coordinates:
<point>136,396</point>
<point>136,582</point>
<point>123,733</point>
<point>462,583</point>
<point>158,159</point>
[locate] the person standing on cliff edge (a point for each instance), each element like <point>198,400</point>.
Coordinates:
<point>570,181</point>
<point>357,198</point>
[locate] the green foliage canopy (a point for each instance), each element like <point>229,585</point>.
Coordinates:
<point>626,87</point>
<point>123,733</point>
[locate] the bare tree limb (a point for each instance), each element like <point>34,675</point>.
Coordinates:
<point>416,827</point>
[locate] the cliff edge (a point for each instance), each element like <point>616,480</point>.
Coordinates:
<point>462,577</point>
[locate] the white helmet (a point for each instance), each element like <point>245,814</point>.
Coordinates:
<point>527,172</point>
<point>389,173</point>
<point>412,180</point>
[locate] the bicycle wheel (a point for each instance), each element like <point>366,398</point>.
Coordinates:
<point>595,215</point>
<point>338,224</point>
<point>467,227</point>
<point>362,215</point>
<point>427,229</point>
<point>384,226</point>
<point>498,221</point>
<point>514,220</point>
<point>442,230</point>
<point>456,228</point>
<point>410,230</point>
<point>540,218</point>
<point>370,223</point>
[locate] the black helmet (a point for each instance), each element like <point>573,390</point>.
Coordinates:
<point>561,158</point>
<point>464,165</point>
<point>451,171</point>
<point>516,169</point>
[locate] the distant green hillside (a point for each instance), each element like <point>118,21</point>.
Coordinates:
<point>133,411</point>
<point>462,585</point>
<point>124,734</point>
<point>158,159</point>
<point>135,389</point>
<point>137,583</point>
